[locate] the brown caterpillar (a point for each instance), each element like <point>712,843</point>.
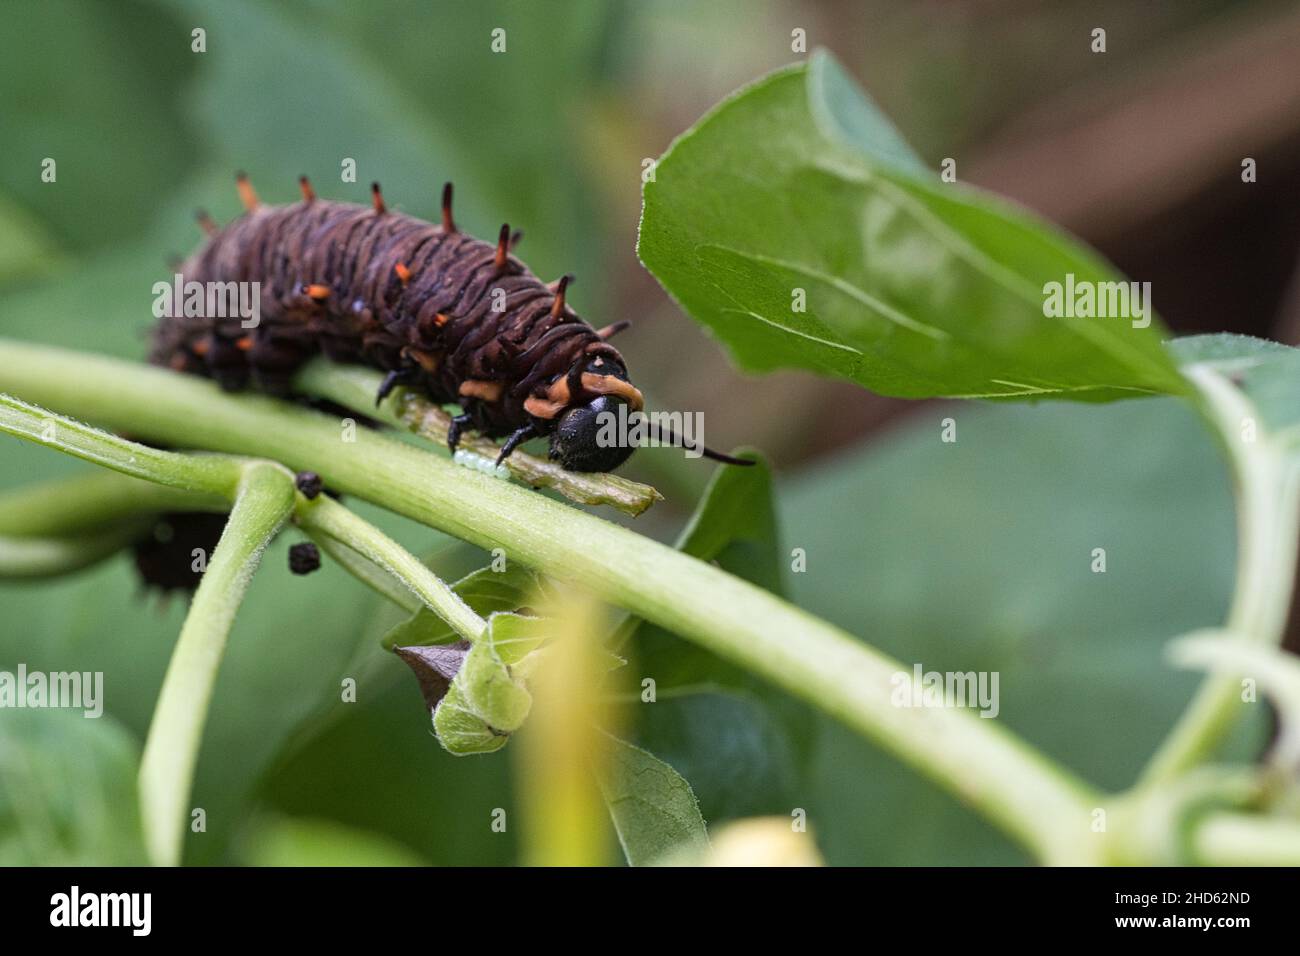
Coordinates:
<point>460,319</point>
<point>437,310</point>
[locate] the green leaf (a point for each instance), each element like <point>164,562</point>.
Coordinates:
<point>431,800</point>
<point>513,637</point>
<point>484,590</point>
<point>978,556</point>
<point>914,287</point>
<point>735,521</point>
<point>461,731</point>
<point>1268,372</point>
<point>742,748</point>
<point>653,807</point>
<point>67,791</point>
<point>491,691</point>
<point>843,112</point>
<point>488,699</point>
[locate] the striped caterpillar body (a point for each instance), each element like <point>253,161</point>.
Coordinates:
<point>459,319</point>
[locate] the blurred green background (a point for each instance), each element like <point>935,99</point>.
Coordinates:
<point>965,556</point>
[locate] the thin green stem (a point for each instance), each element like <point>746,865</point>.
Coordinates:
<point>326,517</point>
<point>1239,839</point>
<point>355,387</point>
<point>996,773</point>
<point>1268,514</point>
<point>213,474</point>
<point>64,524</point>
<point>68,524</point>
<point>93,502</point>
<point>368,573</point>
<point>34,557</point>
<point>563,754</point>
<point>265,498</point>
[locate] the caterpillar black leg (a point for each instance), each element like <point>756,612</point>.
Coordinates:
<point>458,425</point>
<point>519,436</point>
<point>398,376</point>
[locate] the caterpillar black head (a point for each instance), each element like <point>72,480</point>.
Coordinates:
<point>582,441</point>
<point>589,415</point>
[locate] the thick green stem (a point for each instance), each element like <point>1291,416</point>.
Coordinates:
<point>1268,515</point>
<point>264,500</point>
<point>997,774</point>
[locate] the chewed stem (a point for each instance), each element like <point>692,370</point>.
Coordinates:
<point>355,387</point>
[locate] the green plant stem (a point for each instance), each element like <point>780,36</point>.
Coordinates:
<point>369,573</point>
<point>1268,515</point>
<point>1027,795</point>
<point>1239,839</point>
<point>94,501</point>
<point>65,524</point>
<point>35,557</point>
<point>327,518</point>
<point>263,496</point>
<point>68,524</point>
<point>561,752</point>
<point>355,387</point>
<point>211,474</point>
<point>264,499</point>
<point>50,557</point>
